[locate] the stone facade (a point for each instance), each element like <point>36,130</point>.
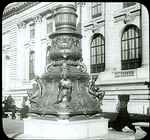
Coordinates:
<point>111,24</point>
<point>113,80</point>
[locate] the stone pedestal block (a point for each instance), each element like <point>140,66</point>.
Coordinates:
<point>65,129</point>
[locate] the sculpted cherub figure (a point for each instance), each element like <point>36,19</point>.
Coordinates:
<point>95,90</point>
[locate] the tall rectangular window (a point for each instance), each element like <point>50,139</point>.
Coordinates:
<point>49,26</point>
<point>96,9</point>
<point>6,39</point>
<point>128,4</point>
<point>31,65</point>
<point>32,31</point>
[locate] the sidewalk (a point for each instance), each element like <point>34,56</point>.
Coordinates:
<point>14,129</point>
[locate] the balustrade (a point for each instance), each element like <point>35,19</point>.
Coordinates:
<point>128,73</point>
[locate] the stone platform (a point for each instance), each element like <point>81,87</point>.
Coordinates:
<point>65,129</point>
<point>112,135</point>
<point>14,129</point>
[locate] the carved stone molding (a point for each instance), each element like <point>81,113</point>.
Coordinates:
<point>88,27</point>
<point>123,17</point>
<point>95,27</point>
<point>79,4</point>
<point>5,49</point>
<point>30,44</point>
<point>117,19</point>
<point>17,8</point>
<point>50,15</point>
<point>53,8</point>
<point>21,25</point>
<point>128,17</point>
<point>37,18</point>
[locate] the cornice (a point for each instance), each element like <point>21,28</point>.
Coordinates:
<point>95,25</point>
<point>17,8</point>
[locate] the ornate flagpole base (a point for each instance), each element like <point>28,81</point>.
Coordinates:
<point>64,89</point>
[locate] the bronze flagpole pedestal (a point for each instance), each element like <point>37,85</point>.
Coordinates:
<point>66,105</point>
<point>64,88</point>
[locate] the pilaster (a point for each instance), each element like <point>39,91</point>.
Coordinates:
<point>109,37</point>
<point>20,51</point>
<point>80,6</point>
<point>38,50</point>
<point>145,36</point>
<point>143,71</point>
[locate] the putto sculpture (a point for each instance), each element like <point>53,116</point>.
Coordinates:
<point>95,90</point>
<point>64,89</point>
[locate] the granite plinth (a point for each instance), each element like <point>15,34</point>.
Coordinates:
<point>62,129</point>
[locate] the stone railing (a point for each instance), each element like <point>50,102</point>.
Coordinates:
<point>125,73</point>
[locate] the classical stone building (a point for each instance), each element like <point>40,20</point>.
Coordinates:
<point>115,46</point>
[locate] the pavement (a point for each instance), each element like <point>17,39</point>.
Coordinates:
<point>14,129</point>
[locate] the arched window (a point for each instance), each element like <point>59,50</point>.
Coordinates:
<point>131,48</point>
<point>47,55</point>
<point>31,65</point>
<point>6,72</point>
<point>97,53</point>
<point>7,60</point>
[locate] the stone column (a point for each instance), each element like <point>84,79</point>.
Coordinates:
<point>145,36</point>
<point>38,50</point>
<point>21,51</point>
<point>109,38</point>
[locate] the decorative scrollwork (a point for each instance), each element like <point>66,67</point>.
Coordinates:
<point>128,17</point>
<point>21,25</point>
<point>66,42</point>
<point>82,66</point>
<point>49,67</point>
<point>34,96</point>
<point>95,90</point>
<point>37,18</point>
<point>95,26</point>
